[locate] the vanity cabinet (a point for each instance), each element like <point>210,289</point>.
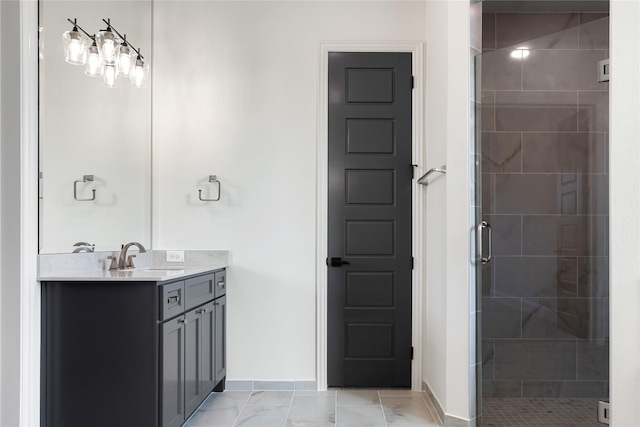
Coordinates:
<point>131,353</point>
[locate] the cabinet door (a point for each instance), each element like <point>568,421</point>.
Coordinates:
<point>192,354</point>
<point>207,372</point>
<point>173,372</point>
<point>220,337</point>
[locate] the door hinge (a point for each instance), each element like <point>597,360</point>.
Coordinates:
<point>411,353</point>
<point>412,83</point>
<point>413,171</point>
<point>412,262</point>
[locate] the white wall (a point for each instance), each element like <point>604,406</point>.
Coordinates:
<point>447,362</point>
<point>624,181</point>
<point>236,95</point>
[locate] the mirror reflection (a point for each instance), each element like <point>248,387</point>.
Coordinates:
<point>95,133</point>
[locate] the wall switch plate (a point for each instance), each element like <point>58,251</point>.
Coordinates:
<point>175,256</point>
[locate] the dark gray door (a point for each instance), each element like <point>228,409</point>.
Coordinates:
<point>192,361</point>
<point>369,231</point>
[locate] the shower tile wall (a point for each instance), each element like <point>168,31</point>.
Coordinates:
<point>544,122</point>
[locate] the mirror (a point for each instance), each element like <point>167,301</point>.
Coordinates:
<point>95,141</point>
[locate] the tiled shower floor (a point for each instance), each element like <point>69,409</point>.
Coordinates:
<point>547,412</point>
<point>333,408</point>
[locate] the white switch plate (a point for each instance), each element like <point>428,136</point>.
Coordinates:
<point>175,256</point>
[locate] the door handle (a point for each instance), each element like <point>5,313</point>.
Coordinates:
<point>336,262</point>
<point>482,226</point>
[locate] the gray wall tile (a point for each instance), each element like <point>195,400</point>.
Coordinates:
<point>531,276</point>
<point>593,360</point>
<point>501,389</point>
<point>564,152</point>
<point>555,318</point>
<point>551,194</point>
<point>488,31</point>
<point>537,30</point>
<point>501,318</point>
<point>487,110</point>
<point>593,277</point>
<point>595,389</point>
<point>487,360</point>
<point>593,112</point>
<point>488,193</point>
<point>507,232</point>
<point>531,111</point>
<point>501,152</point>
<point>500,71</point>
<point>564,235</point>
<point>561,70</point>
<point>594,31</point>
<point>535,360</point>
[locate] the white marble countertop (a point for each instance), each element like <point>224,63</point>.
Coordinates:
<point>140,274</point>
<point>152,267</point>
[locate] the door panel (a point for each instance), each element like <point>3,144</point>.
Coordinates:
<point>369,298</point>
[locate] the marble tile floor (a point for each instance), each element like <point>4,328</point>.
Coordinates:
<point>333,408</point>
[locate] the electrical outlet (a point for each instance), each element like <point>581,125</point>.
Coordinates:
<point>175,256</point>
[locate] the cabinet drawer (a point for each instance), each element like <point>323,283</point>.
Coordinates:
<point>221,283</point>
<point>198,290</point>
<point>172,300</point>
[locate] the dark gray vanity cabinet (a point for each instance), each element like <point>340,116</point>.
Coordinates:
<point>131,353</point>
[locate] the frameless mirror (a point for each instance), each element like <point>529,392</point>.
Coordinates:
<point>95,141</point>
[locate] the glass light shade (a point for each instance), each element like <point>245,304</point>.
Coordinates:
<point>124,59</point>
<point>139,73</point>
<point>75,47</point>
<point>94,64</point>
<point>108,46</point>
<point>109,74</point>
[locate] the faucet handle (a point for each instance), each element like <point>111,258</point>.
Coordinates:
<point>114,263</point>
<point>130,261</point>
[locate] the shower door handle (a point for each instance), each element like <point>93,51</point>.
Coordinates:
<point>480,228</point>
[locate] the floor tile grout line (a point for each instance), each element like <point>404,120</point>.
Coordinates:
<point>235,422</point>
<point>384,416</point>
<point>286,419</point>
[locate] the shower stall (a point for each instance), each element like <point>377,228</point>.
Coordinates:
<point>541,156</point>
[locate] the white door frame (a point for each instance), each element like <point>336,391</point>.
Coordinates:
<point>417,135</point>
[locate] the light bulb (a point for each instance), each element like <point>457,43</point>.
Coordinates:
<point>124,59</point>
<point>74,47</point>
<point>520,53</point>
<point>107,46</point>
<point>139,73</point>
<point>109,75</point>
<point>93,61</point>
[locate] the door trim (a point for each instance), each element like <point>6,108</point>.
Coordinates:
<point>416,48</point>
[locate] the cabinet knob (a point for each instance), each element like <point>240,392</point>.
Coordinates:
<point>182,321</point>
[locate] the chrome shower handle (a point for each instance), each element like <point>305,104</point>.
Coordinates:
<point>482,226</point>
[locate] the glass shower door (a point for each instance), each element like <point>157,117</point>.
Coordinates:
<point>542,136</point>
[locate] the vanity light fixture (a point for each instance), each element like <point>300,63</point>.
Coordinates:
<point>107,54</point>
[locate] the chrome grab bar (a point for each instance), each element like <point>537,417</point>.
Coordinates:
<point>481,226</point>
<point>423,179</point>
<point>86,178</point>
<point>214,179</point>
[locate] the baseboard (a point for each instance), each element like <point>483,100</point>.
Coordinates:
<point>257,385</point>
<point>445,419</point>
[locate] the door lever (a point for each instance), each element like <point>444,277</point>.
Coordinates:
<point>336,262</point>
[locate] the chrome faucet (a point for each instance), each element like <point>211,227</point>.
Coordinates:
<point>127,262</point>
